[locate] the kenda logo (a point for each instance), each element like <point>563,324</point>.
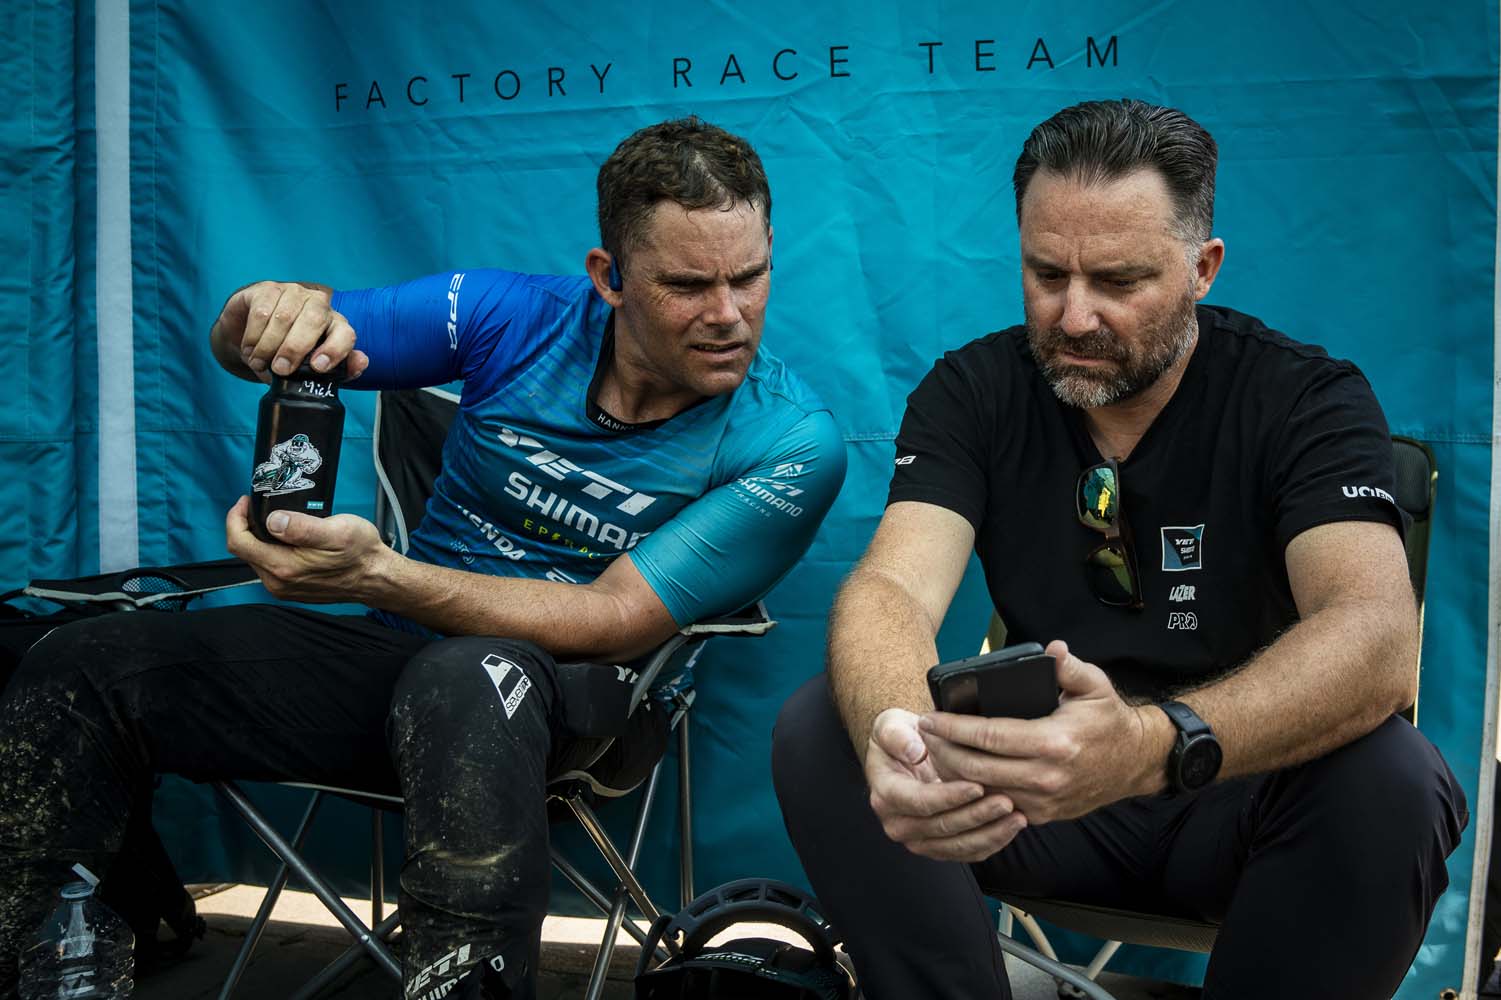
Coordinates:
<point>1368,491</point>
<point>559,468</point>
<point>453,311</point>
<point>493,535</point>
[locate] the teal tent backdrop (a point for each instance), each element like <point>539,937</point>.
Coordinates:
<point>161,154</point>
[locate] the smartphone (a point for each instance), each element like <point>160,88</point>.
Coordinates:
<point>1018,682</point>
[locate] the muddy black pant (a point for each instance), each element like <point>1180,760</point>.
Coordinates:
<point>467,730</point>
<point>1323,875</point>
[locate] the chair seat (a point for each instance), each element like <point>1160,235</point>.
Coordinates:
<point>1182,933</point>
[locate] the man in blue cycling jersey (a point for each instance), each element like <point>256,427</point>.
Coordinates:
<point>619,438</point>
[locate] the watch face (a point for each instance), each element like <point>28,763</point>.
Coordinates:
<point>1200,762</point>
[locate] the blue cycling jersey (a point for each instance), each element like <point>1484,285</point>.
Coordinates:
<point>713,505</point>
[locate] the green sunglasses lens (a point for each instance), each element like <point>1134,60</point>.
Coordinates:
<point>1099,494</point>
<point>1110,575</point>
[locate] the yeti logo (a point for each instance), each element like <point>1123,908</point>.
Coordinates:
<point>1182,548</point>
<point>287,468</point>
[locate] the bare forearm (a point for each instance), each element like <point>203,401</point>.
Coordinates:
<point>566,619</point>
<point>880,646</point>
<point>1332,678</point>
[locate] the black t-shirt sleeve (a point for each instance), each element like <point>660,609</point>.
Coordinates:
<point>941,446</point>
<point>1331,460</point>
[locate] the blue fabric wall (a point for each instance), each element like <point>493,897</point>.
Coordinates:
<point>330,142</point>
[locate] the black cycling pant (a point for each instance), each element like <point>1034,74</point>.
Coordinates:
<point>467,730</point>
<point>1323,875</point>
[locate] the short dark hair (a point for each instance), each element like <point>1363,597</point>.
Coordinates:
<point>1106,140</point>
<point>686,161</point>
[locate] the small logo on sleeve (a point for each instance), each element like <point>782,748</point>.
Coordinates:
<point>1367,491</point>
<point>906,459</point>
<point>1182,548</point>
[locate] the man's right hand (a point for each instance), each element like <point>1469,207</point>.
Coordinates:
<point>271,326</point>
<point>944,820</point>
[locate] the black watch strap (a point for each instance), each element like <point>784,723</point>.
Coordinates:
<point>1196,755</point>
<point>1185,718</point>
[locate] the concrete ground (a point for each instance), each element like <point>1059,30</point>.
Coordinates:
<point>301,938</point>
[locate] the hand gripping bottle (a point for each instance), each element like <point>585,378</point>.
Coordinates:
<point>297,446</point>
<point>83,952</point>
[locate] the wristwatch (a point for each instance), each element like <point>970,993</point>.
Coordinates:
<point>1196,755</point>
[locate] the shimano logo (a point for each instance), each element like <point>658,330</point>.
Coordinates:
<point>762,489</point>
<point>560,468</point>
<point>1367,491</point>
<point>1183,621</point>
<point>453,311</point>
<point>1182,592</point>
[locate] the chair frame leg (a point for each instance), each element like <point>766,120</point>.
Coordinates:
<point>377,867</point>
<point>630,888</point>
<point>354,953</point>
<point>268,903</point>
<point>283,850</point>
<point>686,894</point>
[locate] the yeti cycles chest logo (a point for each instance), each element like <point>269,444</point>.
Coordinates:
<point>1182,548</point>
<point>287,468</point>
<point>560,509</point>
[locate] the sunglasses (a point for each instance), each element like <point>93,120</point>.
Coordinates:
<point>1111,565</point>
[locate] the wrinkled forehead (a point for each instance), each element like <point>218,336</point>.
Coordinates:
<point>1137,205</point>
<point>672,229</point>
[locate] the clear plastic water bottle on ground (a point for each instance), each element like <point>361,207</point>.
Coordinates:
<point>83,952</point>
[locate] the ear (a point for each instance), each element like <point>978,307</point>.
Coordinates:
<point>1211,256</point>
<point>597,263</point>
<point>770,232</point>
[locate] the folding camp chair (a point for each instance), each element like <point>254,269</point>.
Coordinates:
<point>410,426</point>
<point>1416,484</point>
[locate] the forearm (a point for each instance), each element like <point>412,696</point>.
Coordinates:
<point>880,646</point>
<point>1329,680</point>
<point>570,621</point>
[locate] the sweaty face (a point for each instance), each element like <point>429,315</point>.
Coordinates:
<point>1108,286</point>
<point>694,299</point>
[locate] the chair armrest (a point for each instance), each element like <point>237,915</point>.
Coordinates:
<point>749,620</point>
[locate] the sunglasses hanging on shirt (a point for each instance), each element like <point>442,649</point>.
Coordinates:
<point>1111,565</point>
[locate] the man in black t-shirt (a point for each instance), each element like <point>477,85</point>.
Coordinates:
<point>1194,513</point>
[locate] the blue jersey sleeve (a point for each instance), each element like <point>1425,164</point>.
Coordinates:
<point>733,544</point>
<point>444,327</point>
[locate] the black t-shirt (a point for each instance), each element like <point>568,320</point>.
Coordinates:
<point>1263,439</point>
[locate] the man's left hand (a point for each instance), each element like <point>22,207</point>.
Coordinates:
<point>1092,750</point>
<point>316,560</point>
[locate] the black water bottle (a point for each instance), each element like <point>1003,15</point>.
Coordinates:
<point>297,445</point>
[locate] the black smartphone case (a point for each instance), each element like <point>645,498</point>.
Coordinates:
<point>1018,682</point>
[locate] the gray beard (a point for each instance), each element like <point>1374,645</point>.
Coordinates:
<point>1087,388</point>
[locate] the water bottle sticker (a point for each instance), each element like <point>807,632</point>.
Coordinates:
<point>315,505</point>
<point>286,471</point>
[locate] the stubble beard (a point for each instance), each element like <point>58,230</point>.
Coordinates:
<point>1134,371</point>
